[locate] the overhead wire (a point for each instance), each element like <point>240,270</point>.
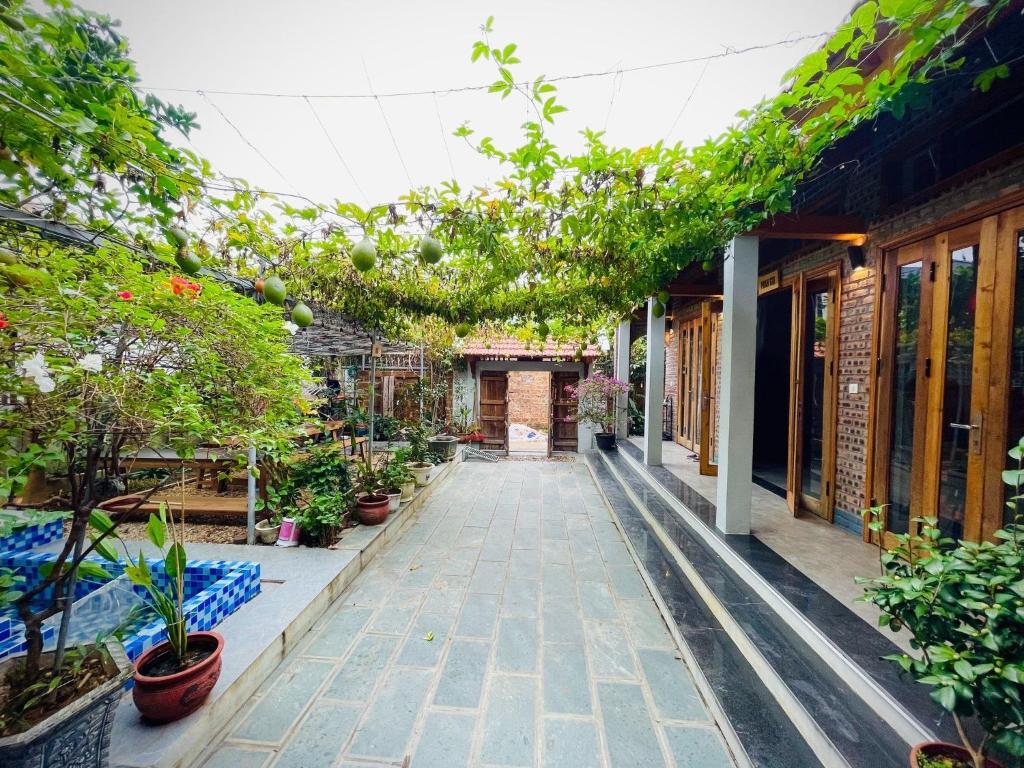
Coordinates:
<point>689,98</point>
<point>789,41</point>
<point>387,124</point>
<point>337,151</point>
<point>444,136</point>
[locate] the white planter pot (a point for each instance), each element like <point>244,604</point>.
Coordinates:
<point>266,532</point>
<point>408,489</point>
<point>421,471</point>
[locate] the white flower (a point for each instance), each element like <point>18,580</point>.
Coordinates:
<point>291,327</point>
<point>92,362</point>
<point>35,368</point>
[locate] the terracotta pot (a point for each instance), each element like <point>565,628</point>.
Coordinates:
<point>372,509</point>
<point>170,698</point>
<point>605,440</point>
<point>942,749</point>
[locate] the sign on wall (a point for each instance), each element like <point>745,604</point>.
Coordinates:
<point>769,281</point>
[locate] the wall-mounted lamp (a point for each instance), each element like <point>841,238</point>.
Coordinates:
<point>856,256</point>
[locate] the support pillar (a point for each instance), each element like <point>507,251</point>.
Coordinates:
<point>622,342</point>
<point>654,392</point>
<point>736,398</point>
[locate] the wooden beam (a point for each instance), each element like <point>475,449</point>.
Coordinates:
<point>812,227</point>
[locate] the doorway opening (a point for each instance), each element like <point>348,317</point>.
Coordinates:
<point>529,412</point>
<point>772,390</point>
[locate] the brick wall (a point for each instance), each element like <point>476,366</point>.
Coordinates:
<point>672,377</point>
<point>529,398</point>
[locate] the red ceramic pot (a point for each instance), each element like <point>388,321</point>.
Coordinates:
<point>372,509</point>
<point>942,749</point>
<point>169,698</point>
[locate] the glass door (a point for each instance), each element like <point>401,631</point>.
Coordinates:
<point>951,377</point>
<point>814,389</point>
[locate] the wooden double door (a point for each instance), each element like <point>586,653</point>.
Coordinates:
<point>562,423</point>
<point>697,415</point>
<point>950,375</point>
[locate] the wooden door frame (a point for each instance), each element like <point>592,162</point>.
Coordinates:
<point>797,283</point>
<point>709,354</point>
<point>552,392</point>
<point>688,381</point>
<point>480,402</point>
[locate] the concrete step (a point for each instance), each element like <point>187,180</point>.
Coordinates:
<point>794,696</point>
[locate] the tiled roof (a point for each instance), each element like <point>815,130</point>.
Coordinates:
<point>507,348</point>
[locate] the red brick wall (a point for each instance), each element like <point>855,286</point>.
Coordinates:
<point>529,398</point>
<point>672,376</point>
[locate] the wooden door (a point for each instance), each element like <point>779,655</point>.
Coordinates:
<point>951,359</point>
<point>711,313</point>
<point>815,344</point>
<point>494,410</point>
<point>562,434</point>
<point>689,382</point>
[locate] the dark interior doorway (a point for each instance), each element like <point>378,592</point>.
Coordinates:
<point>771,390</point>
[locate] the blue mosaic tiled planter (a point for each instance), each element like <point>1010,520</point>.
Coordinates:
<point>214,589</point>
<point>31,535</point>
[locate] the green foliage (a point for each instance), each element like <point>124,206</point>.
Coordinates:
<point>963,604</point>
<point>395,474</point>
<point>314,490</point>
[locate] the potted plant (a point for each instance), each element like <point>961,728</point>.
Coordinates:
<point>371,505</point>
<point>443,445</point>
<point>408,486</point>
<point>963,604</point>
<point>268,529</point>
<point>418,453</point>
<point>595,404</point>
<point>395,478</point>
<point>173,678</point>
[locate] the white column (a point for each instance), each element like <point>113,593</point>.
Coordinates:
<point>622,374</point>
<point>654,393</point>
<point>736,398</point>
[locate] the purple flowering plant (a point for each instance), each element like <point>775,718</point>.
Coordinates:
<point>595,399</point>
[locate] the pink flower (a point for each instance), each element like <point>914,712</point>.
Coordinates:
<point>125,295</point>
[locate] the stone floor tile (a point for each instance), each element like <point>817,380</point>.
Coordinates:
<point>521,598</point>
<point>359,673</point>
<point>479,615</point>
<point>489,577</point>
<point>425,643</point>
<point>697,747</point>
<point>235,757</point>
<point>460,562</point>
<point>674,694</point>
<point>280,706</point>
<point>565,682</point>
<point>570,744</point>
<point>517,645</point>
<point>646,626</point>
<point>627,582</point>
<point>395,616</point>
<point>596,601</point>
<point>320,737</point>
<point>462,678</point>
<point>446,741</point>
<point>609,650</point>
<point>556,551</point>
<point>446,595</point>
<point>509,721</point>
<point>629,732</point>
<point>525,563</point>
<point>562,620</point>
<point>337,634</point>
<point>387,726</point>
<point>557,580</point>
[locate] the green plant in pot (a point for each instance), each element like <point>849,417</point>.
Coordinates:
<point>316,492</point>
<point>175,677</point>
<point>963,604</point>
<point>372,504</point>
<point>397,481</point>
<point>595,398</point>
<point>418,460</point>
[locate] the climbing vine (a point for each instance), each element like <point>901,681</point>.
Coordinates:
<point>562,242</point>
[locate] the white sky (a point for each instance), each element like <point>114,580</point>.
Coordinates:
<point>320,46</point>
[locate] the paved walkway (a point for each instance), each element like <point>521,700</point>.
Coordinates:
<point>507,626</point>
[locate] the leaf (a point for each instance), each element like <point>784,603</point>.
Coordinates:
<point>90,569</point>
<point>429,637</point>
<point>174,563</point>
<point>103,548</point>
<point>945,697</point>
<point>156,531</point>
<point>101,521</point>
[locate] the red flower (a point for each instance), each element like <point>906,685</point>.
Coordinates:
<point>125,295</point>
<point>181,286</point>
<point>3,320</point>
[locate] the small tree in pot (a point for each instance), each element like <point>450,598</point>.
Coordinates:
<point>596,396</point>
<point>963,604</point>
